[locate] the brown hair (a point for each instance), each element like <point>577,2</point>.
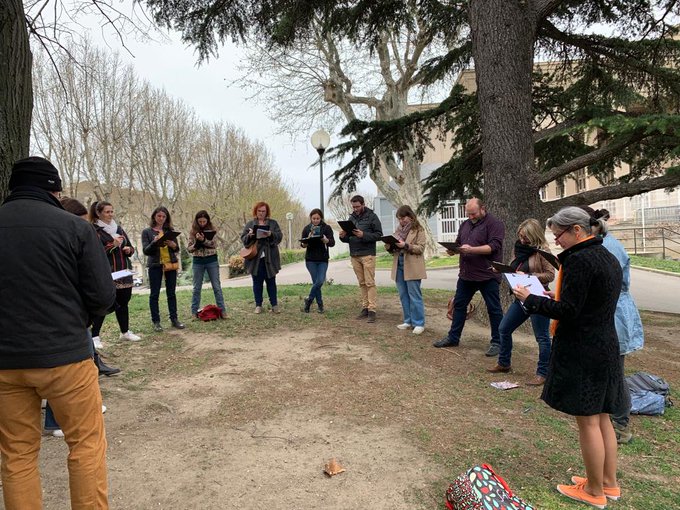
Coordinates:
<point>168,220</point>
<point>316,211</point>
<point>96,208</point>
<point>405,211</point>
<point>73,206</point>
<point>534,232</point>
<point>195,227</point>
<point>261,204</point>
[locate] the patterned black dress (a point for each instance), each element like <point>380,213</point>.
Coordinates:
<point>585,376</point>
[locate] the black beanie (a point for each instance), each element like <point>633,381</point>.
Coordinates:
<point>35,171</point>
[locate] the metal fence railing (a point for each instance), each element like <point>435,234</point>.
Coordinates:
<point>645,240</point>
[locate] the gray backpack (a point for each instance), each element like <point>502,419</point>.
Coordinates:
<point>649,394</point>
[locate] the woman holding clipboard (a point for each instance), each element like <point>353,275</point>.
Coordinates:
<point>317,237</point>
<point>202,247</point>
<point>159,242</point>
<point>526,259</point>
<point>264,231</point>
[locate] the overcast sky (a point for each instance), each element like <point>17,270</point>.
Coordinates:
<point>172,66</point>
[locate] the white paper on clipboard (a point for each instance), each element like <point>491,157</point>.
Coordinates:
<point>531,282</point>
<point>117,275</point>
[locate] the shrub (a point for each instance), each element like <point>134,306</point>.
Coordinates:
<point>290,256</point>
<point>236,265</point>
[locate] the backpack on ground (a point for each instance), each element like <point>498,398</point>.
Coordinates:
<point>210,313</point>
<point>649,394</point>
<point>480,488</point>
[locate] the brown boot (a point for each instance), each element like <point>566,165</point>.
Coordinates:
<point>498,369</point>
<point>538,380</point>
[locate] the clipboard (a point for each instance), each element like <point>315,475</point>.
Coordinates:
<point>389,240</point>
<point>502,268</point>
<point>347,226</point>
<point>310,238</point>
<point>531,282</point>
<point>552,259</point>
<point>170,235</point>
<point>454,247</point>
<point>209,234</point>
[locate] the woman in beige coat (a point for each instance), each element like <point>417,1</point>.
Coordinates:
<point>408,268</point>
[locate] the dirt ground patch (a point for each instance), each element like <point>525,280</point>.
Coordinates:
<point>230,416</point>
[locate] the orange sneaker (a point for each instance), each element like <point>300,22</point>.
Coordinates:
<point>578,493</point>
<point>613,493</point>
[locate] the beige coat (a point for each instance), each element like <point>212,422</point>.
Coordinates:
<point>414,262</point>
<point>541,268</point>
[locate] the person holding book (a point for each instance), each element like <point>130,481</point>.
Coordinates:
<point>263,268</point>
<point>317,237</point>
<point>585,376</point>
<point>118,250</point>
<point>526,259</point>
<point>408,268</point>
<point>202,247</point>
<point>364,232</point>
<point>627,318</point>
<point>479,242</point>
<point>159,243</point>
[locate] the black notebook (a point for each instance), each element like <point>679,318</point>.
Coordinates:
<point>502,268</point>
<point>347,226</point>
<point>209,234</point>
<point>170,235</point>
<point>552,259</point>
<point>389,239</point>
<point>454,247</point>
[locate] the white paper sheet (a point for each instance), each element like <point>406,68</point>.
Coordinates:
<point>117,275</point>
<point>530,281</point>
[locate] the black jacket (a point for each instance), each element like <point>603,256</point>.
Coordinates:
<point>153,250</point>
<point>369,223</point>
<point>54,275</point>
<point>585,376</point>
<point>317,251</point>
<point>268,245</point>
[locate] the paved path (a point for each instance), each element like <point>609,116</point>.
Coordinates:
<point>651,291</point>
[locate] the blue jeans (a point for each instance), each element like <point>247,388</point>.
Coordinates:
<point>213,269</point>
<point>156,275</point>
<point>258,285</point>
<point>465,290</point>
<point>50,420</point>
<point>317,270</point>
<point>410,296</point>
<point>513,319</point>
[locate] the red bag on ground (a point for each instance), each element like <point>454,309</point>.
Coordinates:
<point>210,313</point>
<point>480,488</point>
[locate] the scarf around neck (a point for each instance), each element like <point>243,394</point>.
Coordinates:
<point>522,254</point>
<point>109,228</point>
<point>402,232</point>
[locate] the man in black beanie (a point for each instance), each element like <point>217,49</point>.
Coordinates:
<point>54,276</point>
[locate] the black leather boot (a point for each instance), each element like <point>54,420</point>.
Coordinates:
<point>104,369</point>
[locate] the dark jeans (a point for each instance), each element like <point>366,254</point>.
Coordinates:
<point>258,285</point>
<point>513,319</point>
<point>50,420</point>
<point>156,275</point>
<point>623,417</point>
<point>465,290</point>
<point>317,270</point>
<point>122,314</point>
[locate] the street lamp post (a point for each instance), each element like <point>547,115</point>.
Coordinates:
<point>320,141</point>
<point>289,217</point>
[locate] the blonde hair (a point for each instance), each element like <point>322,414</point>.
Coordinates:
<point>534,232</point>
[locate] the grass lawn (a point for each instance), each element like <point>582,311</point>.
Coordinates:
<point>384,261</point>
<point>665,265</point>
<point>432,410</point>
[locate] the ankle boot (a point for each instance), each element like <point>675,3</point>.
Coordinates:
<point>104,369</point>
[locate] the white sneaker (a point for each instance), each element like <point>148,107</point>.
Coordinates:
<point>130,336</point>
<point>103,408</point>
<point>405,325</point>
<point>97,342</point>
<point>418,330</point>
<point>58,433</point>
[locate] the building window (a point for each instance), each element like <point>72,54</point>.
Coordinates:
<point>543,192</point>
<point>560,188</point>
<point>581,180</point>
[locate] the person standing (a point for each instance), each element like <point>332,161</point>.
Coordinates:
<point>481,241</point>
<point>526,259</point>
<point>263,268</point>
<point>319,237</point>
<point>362,239</point>
<point>118,250</point>
<point>204,260</point>
<point>55,276</point>
<point>627,318</point>
<point>161,262</point>
<point>408,268</point>
<point>585,376</point>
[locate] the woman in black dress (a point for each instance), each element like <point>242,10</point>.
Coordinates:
<point>585,376</point>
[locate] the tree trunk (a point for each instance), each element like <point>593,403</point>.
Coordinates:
<point>503,33</point>
<point>16,93</point>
